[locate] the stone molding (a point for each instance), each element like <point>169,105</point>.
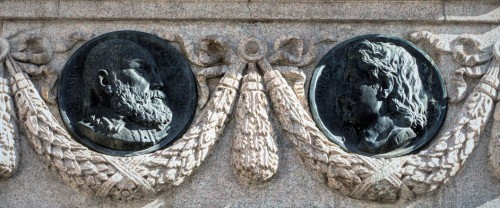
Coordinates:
<point>265,10</point>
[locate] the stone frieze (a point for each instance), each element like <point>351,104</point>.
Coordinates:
<point>256,84</point>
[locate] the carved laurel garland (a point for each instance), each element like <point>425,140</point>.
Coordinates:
<point>477,56</point>
<point>255,156</point>
<point>254,152</point>
<point>107,176</point>
<point>9,152</point>
<point>387,179</point>
<point>494,146</point>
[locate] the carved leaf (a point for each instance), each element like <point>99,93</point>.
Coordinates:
<point>458,91</point>
<point>470,59</point>
<point>186,45</point>
<point>474,72</point>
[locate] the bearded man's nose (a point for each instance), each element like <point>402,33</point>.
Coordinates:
<point>156,83</point>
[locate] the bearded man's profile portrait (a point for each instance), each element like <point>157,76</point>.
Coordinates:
<point>124,105</point>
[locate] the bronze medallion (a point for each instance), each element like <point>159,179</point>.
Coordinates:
<point>378,95</point>
<point>127,93</point>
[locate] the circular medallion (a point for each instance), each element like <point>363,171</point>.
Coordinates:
<point>378,96</point>
<point>127,93</point>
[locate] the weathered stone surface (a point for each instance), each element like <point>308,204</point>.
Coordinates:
<point>258,10</point>
<point>484,11</point>
<point>29,9</point>
<point>281,26</point>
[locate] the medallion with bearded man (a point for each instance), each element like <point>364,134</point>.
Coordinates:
<point>128,102</point>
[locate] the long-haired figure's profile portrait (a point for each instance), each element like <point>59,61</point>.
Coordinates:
<point>127,93</point>
<point>384,102</point>
<point>370,97</point>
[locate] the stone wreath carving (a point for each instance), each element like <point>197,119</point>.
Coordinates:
<point>478,57</point>
<point>384,179</point>
<point>9,152</point>
<point>254,150</point>
<point>98,174</point>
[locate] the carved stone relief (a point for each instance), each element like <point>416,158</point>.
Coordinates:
<point>107,176</point>
<point>378,95</point>
<point>264,93</point>
<point>255,155</point>
<point>9,152</point>
<point>478,57</point>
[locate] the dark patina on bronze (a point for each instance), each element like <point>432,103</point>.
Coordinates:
<point>378,95</point>
<point>127,93</point>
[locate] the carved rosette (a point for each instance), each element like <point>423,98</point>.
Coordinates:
<point>272,87</point>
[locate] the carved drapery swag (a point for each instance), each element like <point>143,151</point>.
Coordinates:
<point>264,92</point>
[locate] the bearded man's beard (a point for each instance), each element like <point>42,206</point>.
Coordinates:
<point>146,109</point>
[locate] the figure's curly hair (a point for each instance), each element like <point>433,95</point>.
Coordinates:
<point>385,61</point>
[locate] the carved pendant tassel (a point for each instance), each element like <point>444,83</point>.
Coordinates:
<point>9,152</point>
<point>254,150</point>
